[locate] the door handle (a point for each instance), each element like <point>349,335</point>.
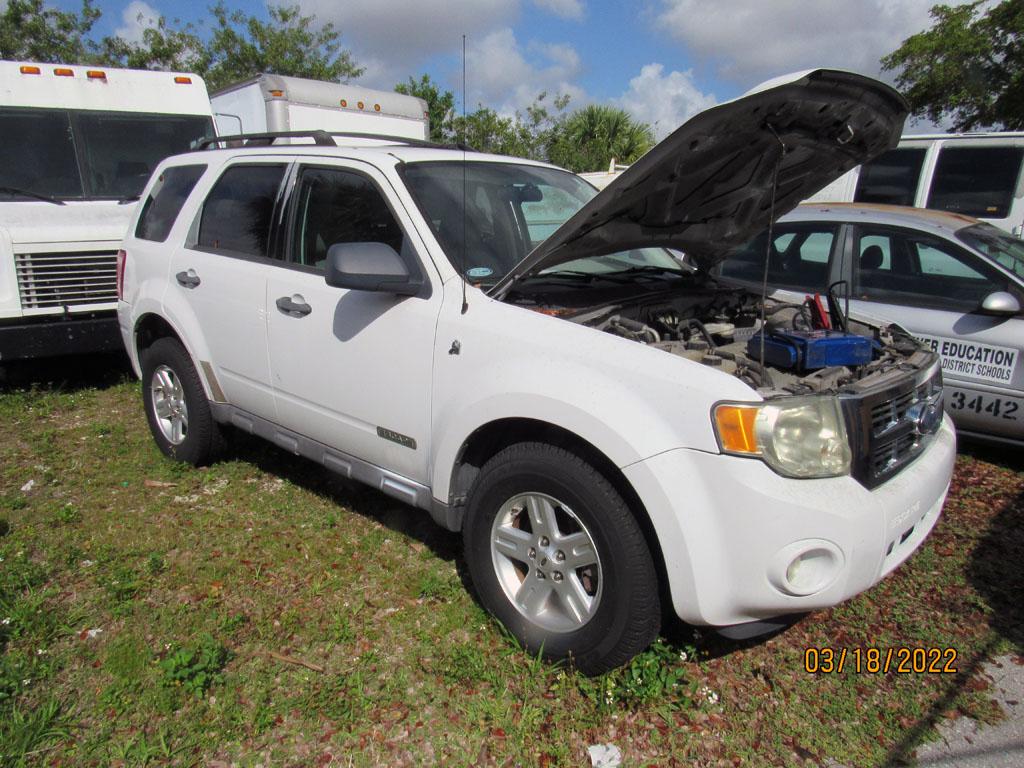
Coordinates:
<point>188,279</point>
<point>293,306</point>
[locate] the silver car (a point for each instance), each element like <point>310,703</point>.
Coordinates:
<point>954,282</point>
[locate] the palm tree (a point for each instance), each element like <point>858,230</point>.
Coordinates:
<point>592,136</point>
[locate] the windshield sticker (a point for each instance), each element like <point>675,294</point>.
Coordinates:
<point>479,272</point>
<point>973,360</point>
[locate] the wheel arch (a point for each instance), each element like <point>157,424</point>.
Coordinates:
<point>491,438</point>
<point>151,326</point>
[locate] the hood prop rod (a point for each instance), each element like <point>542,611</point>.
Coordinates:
<point>771,230</point>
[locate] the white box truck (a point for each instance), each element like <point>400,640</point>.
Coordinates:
<point>976,174</point>
<point>78,145</point>
<point>277,103</point>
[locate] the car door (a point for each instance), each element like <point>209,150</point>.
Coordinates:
<point>221,275</point>
<point>934,288</point>
<point>352,369</point>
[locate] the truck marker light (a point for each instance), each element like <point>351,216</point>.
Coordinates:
<point>277,94</point>
<point>736,428</point>
<point>376,107</point>
<point>183,80</point>
<point>96,74</point>
<point>25,70</point>
<point>344,102</point>
<point>359,104</point>
<point>64,72</point>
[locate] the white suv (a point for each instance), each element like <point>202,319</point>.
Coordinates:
<point>593,411</point>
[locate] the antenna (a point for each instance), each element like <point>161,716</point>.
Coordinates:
<point>462,267</point>
<point>771,230</point>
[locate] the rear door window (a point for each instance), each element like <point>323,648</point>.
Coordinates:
<point>798,258</point>
<point>976,181</point>
<point>892,178</point>
<point>165,200</point>
<point>237,213</point>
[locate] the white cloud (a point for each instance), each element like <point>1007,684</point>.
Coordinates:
<point>752,40</point>
<point>498,74</point>
<point>567,9</point>
<point>136,18</point>
<point>664,101</point>
<point>393,38</point>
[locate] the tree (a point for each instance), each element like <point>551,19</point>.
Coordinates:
<point>440,106</point>
<point>969,67</point>
<point>162,48</point>
<point>591,137</point>
<point>30,32</point>
<point>288,44</point>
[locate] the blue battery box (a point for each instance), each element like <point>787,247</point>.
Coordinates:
<point>810,350</point>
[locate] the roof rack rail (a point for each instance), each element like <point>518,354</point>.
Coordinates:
<point>320,138</point>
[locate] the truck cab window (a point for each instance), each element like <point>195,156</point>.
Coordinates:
<point>37,153</point>
<point>237,213</point>
<point>892,178</point>
<point>977,181</point>
<point>336,206</point>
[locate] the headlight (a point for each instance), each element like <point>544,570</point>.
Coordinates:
<point>797,437</point>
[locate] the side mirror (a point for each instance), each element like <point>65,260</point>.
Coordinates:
<point>370,267</point>
<point>1000,303</point>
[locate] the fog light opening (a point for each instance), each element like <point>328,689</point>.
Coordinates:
<point>811,571</point>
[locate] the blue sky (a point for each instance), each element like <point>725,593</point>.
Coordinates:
<point>663,60</point>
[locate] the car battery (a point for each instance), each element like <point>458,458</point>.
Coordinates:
<point>810,350</point>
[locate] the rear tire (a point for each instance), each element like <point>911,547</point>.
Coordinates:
<point>176,405</point>
<point>558,557</point>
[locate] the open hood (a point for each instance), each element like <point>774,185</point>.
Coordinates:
<point>707,188</point>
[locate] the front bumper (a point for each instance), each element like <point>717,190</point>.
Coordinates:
<point>22,340</point>
<point>730,528</point>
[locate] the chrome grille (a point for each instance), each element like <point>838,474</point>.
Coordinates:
<point>53,280</point>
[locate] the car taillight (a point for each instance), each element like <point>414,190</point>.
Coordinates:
<point>122,257</point>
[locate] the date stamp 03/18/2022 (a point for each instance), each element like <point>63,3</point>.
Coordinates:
<point>900,660</point>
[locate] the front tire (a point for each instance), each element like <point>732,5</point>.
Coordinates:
<point>177,409</point>
<point>557,556</point>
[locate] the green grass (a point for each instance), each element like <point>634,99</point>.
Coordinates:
<point>263,611</point>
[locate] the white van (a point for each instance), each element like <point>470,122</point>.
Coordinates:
<point>976,174</point>
<point>79,144</point>
<point>277,103</point>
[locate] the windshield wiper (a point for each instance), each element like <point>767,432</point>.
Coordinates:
<point>26,193</point>
<point>129,199</point>
<point>650,269</point>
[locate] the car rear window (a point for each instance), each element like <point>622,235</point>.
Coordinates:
<point>977,181</point>
<point>237,212</point>
<point>165,199</point>
<point>891,179</point>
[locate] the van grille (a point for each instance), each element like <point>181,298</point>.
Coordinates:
<point>53,280</point>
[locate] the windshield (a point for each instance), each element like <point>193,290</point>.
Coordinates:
<point>1000,247</point>
<point>510,209</point>
<point>74,154</point>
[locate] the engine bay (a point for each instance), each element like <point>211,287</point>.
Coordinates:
<point>793,355</point>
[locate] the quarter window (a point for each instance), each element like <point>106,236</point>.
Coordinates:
<point>977,181</point>
<point>165,199</point>
<point>237,213</point>
<point>915,269</point>
<point>336,206</point>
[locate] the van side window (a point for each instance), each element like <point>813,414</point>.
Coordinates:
<point>337,206</point>
<point>165,200</point>
<point>798,258</point>
<point>237,213</point>
<point>891,178</point>
<point>901,267</point>
<point>977,181</point>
